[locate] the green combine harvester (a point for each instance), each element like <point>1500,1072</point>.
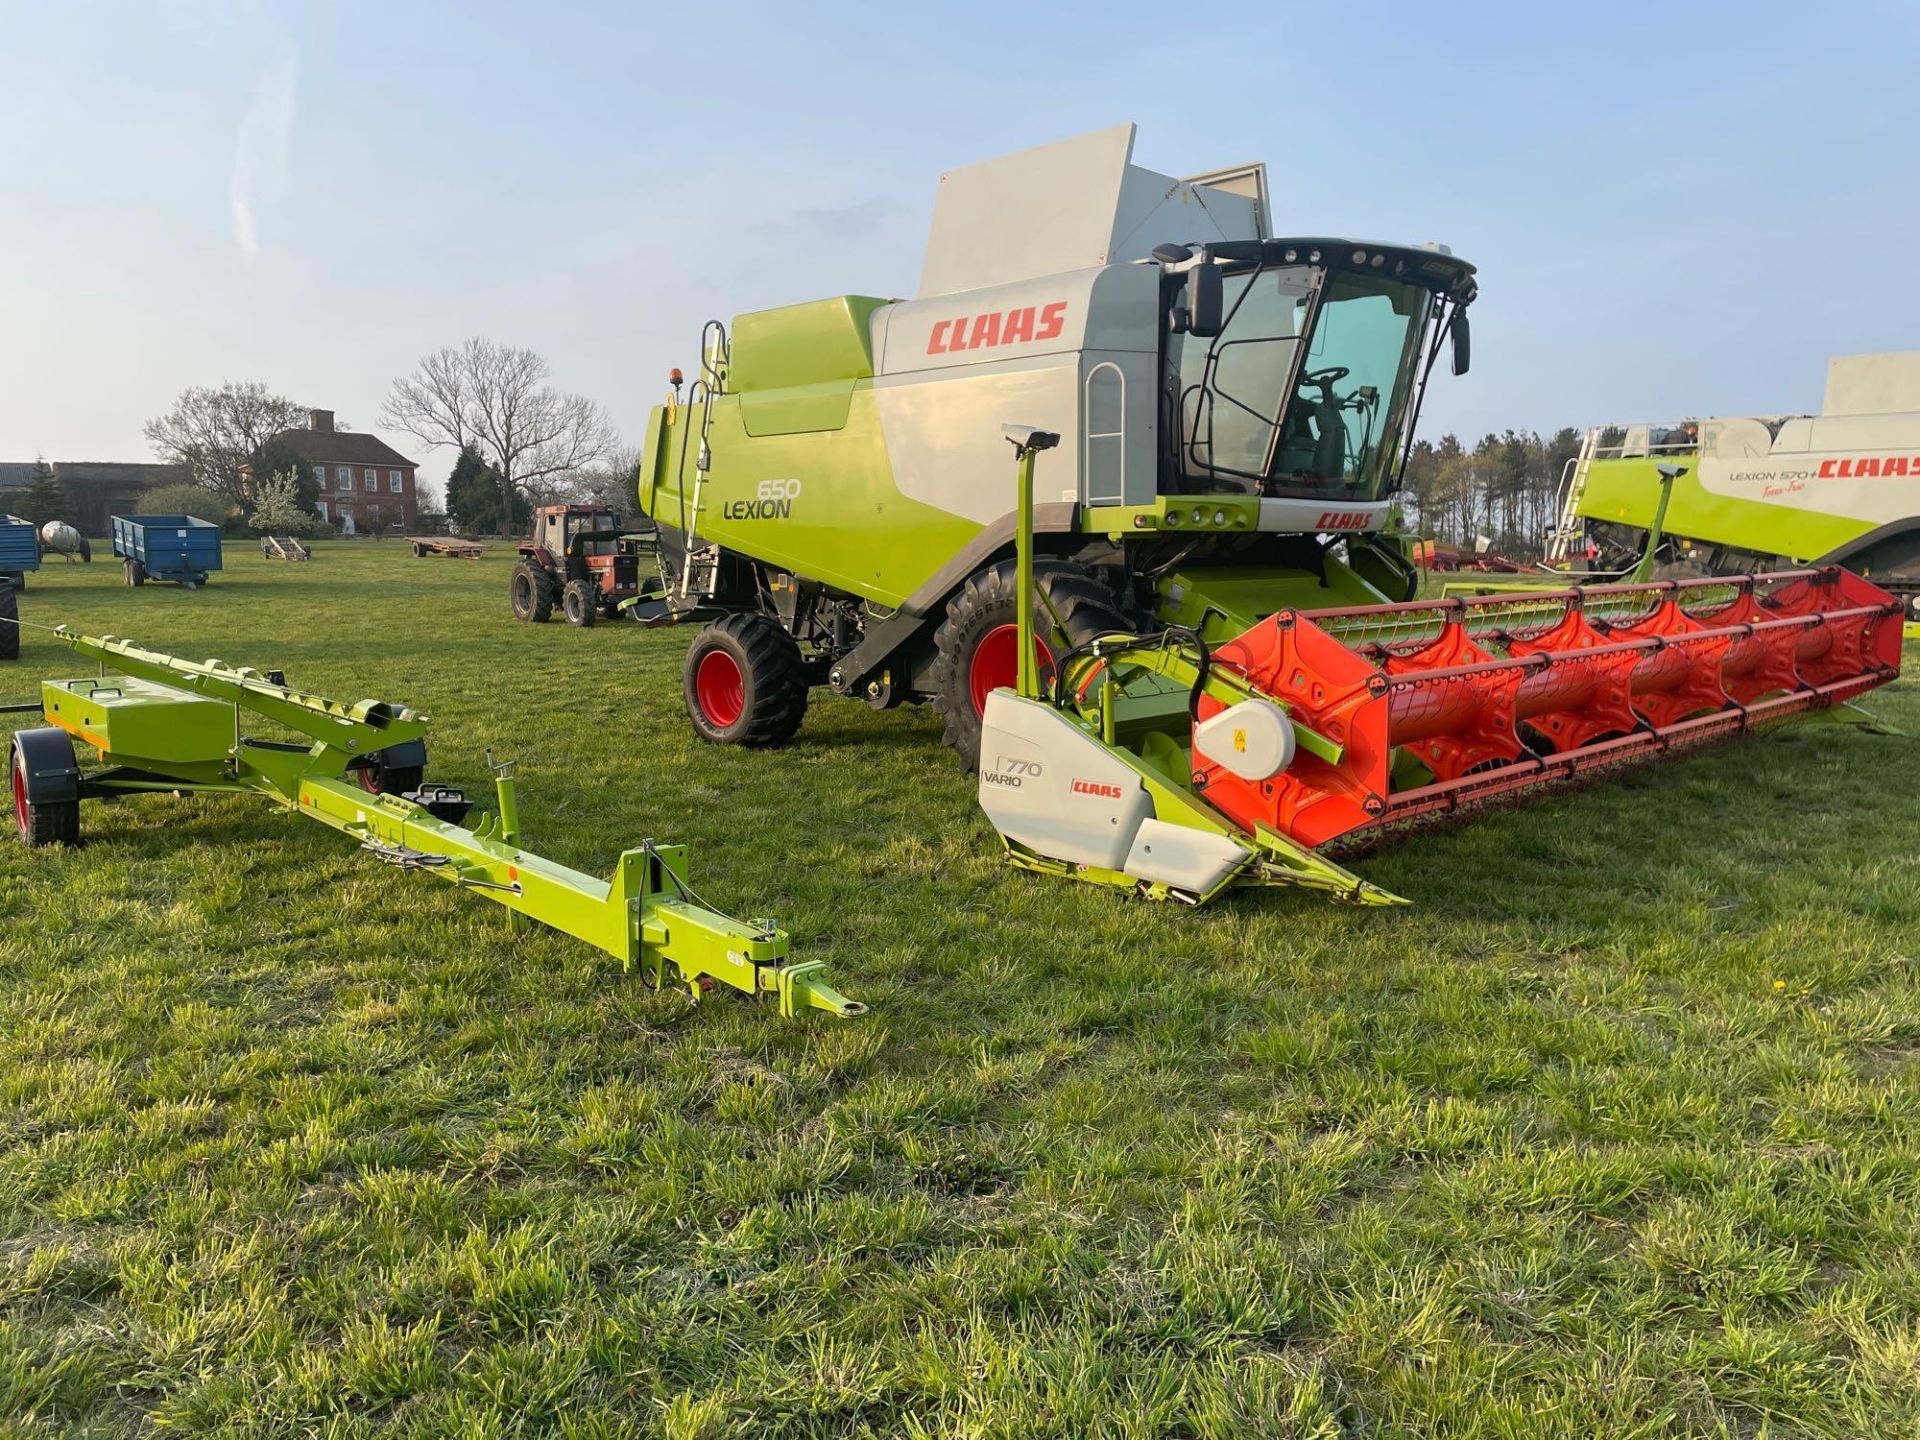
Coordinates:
<point>1759,492</point>
<point>1223,675</point>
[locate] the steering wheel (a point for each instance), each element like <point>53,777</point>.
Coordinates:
<point>1326,377</point>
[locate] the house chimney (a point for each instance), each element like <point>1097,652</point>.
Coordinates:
<point>322,420</point>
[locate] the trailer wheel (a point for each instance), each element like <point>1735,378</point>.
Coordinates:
<point>744,682</point>
<point>419,552</point>
<point>42,821</point>
<point>979,641</point>
<point>579,603</point>
<point>135,571</point>
<point>9,623</point>
<point>397,771</point>
<point>531,591</point>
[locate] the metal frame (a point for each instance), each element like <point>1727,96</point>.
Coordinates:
<point>647,916</point>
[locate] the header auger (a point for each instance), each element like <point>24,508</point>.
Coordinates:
<point>175,726</point>
<point>1182,768</point>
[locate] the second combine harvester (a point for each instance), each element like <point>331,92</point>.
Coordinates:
<point>1223,611</point>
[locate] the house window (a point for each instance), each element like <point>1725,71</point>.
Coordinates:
<point>344,474</point>
<point>321,506</point>
<point>373,517</point>
<point>393,481</point>
<point>372,477</point>
<point>320,476</point>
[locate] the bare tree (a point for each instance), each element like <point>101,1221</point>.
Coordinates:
<point>609,482</point>
<point>212,431</point>
<point>496,398</point>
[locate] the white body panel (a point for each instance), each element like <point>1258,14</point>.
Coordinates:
<point>1072,205</point>
<point>1253,739</point>
<point>1049,786</point>
<point>1077,353</point>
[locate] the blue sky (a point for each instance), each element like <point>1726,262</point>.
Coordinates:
<point>1675,209</point>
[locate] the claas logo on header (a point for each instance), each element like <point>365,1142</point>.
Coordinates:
<point>999,327</point>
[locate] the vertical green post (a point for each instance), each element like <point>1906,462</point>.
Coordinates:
<point>1656,532</point>
<point>1027,683</point>
<point>1027,442</point>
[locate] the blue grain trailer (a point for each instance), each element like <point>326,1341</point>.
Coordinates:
<point>180,548</point>
<point>19,550</point>
<point>19,553</point>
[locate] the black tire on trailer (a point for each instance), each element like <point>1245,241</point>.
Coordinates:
<point>745,683</point>
<point>420,552</point>
<point>394,772</point>
<point>42,821</point>
<point>579,603</point>
<point>531,592</point>
<point>9,623</point>
<point>18,579</point>
<point>979,647</point>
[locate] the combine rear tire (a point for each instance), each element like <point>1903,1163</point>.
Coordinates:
<point>979,640</point>
<point>745,684</point>
<point>42,822</point>
<point>580,604</point>
<point>9,627</point>
<point>531,591</point>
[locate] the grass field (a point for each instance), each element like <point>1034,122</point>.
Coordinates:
<point>1616,1133</point>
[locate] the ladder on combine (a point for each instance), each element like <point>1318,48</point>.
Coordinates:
<point>1567,531</point>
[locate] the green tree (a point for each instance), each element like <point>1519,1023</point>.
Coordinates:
<point>277,509</point>
<point>183,499</point>
<point>44,498</point>
<point>473,496</point>
<point>275,460</point>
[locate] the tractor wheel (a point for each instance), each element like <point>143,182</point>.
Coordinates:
<point>979,641</point>
<point>86,551</point>
<point>42,822</point>
<point>531,591</point>
<point>580,604</point>
<point>744,682</point>
<point>9,623</point>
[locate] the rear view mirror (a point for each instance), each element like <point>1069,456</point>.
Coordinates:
<point>1462,342</point>
<point>1204,301</point>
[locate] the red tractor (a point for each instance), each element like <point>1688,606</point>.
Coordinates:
<point>580,557</point>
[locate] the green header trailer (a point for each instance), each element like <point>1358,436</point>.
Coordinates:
<point>164,725</point>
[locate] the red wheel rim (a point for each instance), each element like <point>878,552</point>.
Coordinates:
<point>718,686</point>
<point>20,797</point>
<point>996,663</point>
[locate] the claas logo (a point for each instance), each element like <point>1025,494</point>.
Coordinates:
<point>999,327</point>
<point>1870,467</point>
<point>1096,787</point>
<point>1343,520</point>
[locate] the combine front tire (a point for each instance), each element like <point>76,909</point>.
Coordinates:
<point>744,682</point>
<point>979,642</point>
<point>9,626</point>
<point>531,591</point>
<point>46,796</point>
<point>580,604</point>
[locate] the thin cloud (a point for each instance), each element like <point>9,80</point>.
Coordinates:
<point>260,151</point>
